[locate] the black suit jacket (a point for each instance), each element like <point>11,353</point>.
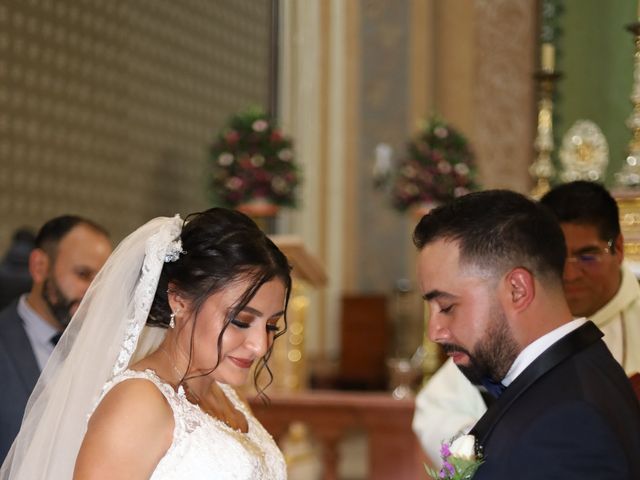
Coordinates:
<point>19,372</point>
<point>570,415</point>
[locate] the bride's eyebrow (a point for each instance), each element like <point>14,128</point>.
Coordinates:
<point>252,311</point>
<point>258,313</point>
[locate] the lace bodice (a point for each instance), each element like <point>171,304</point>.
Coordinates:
<point>204,447</point>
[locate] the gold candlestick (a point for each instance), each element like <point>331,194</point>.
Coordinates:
<point>629,176</point>
<point>542,168</point>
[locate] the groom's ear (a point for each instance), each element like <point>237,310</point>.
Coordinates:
<point>519,289</point>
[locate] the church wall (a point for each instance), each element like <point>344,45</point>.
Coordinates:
<point>107,108</point>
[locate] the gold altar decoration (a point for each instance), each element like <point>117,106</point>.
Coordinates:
<point>629,209</point>
<point>432,358</point>
<point>542,168</point>
<point>584,153</point>
<point>288,360</point>
<point>627,194</point>
<point>629,175</point>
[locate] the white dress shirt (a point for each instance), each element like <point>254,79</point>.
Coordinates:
<point>38,331</point>
<point>538,347</point>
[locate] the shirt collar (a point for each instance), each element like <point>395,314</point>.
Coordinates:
<point>628,292</point>
<point>37,328</point>
<point>536,348</point>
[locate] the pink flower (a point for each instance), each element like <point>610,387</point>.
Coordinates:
<point>460,191</point>
<point>260,125</point>
<point>225,159</point>
<point>461,169</point>
<point>441,132</point>
<point>234,183</point>
<point>286,155</point>
<point>444,167</point>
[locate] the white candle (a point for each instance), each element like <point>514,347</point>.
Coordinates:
<point>548,59</point>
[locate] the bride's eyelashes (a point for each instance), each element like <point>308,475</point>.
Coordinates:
<point>241,324</point>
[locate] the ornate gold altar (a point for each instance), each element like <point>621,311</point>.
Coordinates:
<point>289,359</point>
<point>629,206</point>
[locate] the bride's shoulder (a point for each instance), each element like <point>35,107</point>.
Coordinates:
<point>133,401</point>
<point>133,413</point>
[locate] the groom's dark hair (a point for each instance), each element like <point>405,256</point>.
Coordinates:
<point>498,230</point>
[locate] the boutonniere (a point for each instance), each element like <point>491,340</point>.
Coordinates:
<point>460,459</point>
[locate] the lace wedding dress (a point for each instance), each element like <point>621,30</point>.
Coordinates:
<point>204,447</point>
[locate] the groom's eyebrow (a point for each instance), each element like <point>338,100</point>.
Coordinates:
<point>433,294</point>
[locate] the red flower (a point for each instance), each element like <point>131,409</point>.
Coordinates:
<point>232,136</point>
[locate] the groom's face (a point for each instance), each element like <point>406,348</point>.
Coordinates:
<point>465,315</point>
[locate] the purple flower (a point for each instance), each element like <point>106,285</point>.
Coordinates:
<point>444,450</point>
<point>447,470</point>
<point>450,468</point>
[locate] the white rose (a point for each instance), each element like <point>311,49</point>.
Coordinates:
<point>464,447</point>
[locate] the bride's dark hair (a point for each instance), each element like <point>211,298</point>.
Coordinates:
<point>220,247</point>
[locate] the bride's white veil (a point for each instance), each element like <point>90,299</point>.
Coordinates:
<point>105,334</point>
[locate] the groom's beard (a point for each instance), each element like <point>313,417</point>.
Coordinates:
<point>492,355</point>
<point>57,302</point>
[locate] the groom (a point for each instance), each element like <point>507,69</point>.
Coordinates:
<point>490,266</point>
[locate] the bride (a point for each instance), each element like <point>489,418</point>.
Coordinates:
<point>141,383</point>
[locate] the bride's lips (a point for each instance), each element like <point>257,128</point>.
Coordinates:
<point>241,362</point>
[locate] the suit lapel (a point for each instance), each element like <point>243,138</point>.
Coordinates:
<point>18,347</point>
<point>564,348</point>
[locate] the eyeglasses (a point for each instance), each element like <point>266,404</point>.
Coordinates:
<point>591,259</point>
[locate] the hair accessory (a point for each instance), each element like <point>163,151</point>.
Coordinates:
<point>173,251</point>
<point>172,320</point>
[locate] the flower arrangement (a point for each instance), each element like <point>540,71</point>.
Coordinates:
<point>459,460</point>
<point>439,167</point>
<point>252,161</point>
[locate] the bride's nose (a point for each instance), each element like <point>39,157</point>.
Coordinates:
<point>258,341</point>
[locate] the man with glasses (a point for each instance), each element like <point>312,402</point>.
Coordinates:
<point>597,284</point>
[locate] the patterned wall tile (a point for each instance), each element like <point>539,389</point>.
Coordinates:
<point>107,108</point>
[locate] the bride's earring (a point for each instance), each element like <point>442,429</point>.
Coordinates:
<point>172,320</point>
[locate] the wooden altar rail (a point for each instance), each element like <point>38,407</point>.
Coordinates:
<point>394,452</point>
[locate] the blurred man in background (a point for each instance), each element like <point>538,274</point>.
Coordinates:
<point>69,251</point>
<point>14,267</point>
